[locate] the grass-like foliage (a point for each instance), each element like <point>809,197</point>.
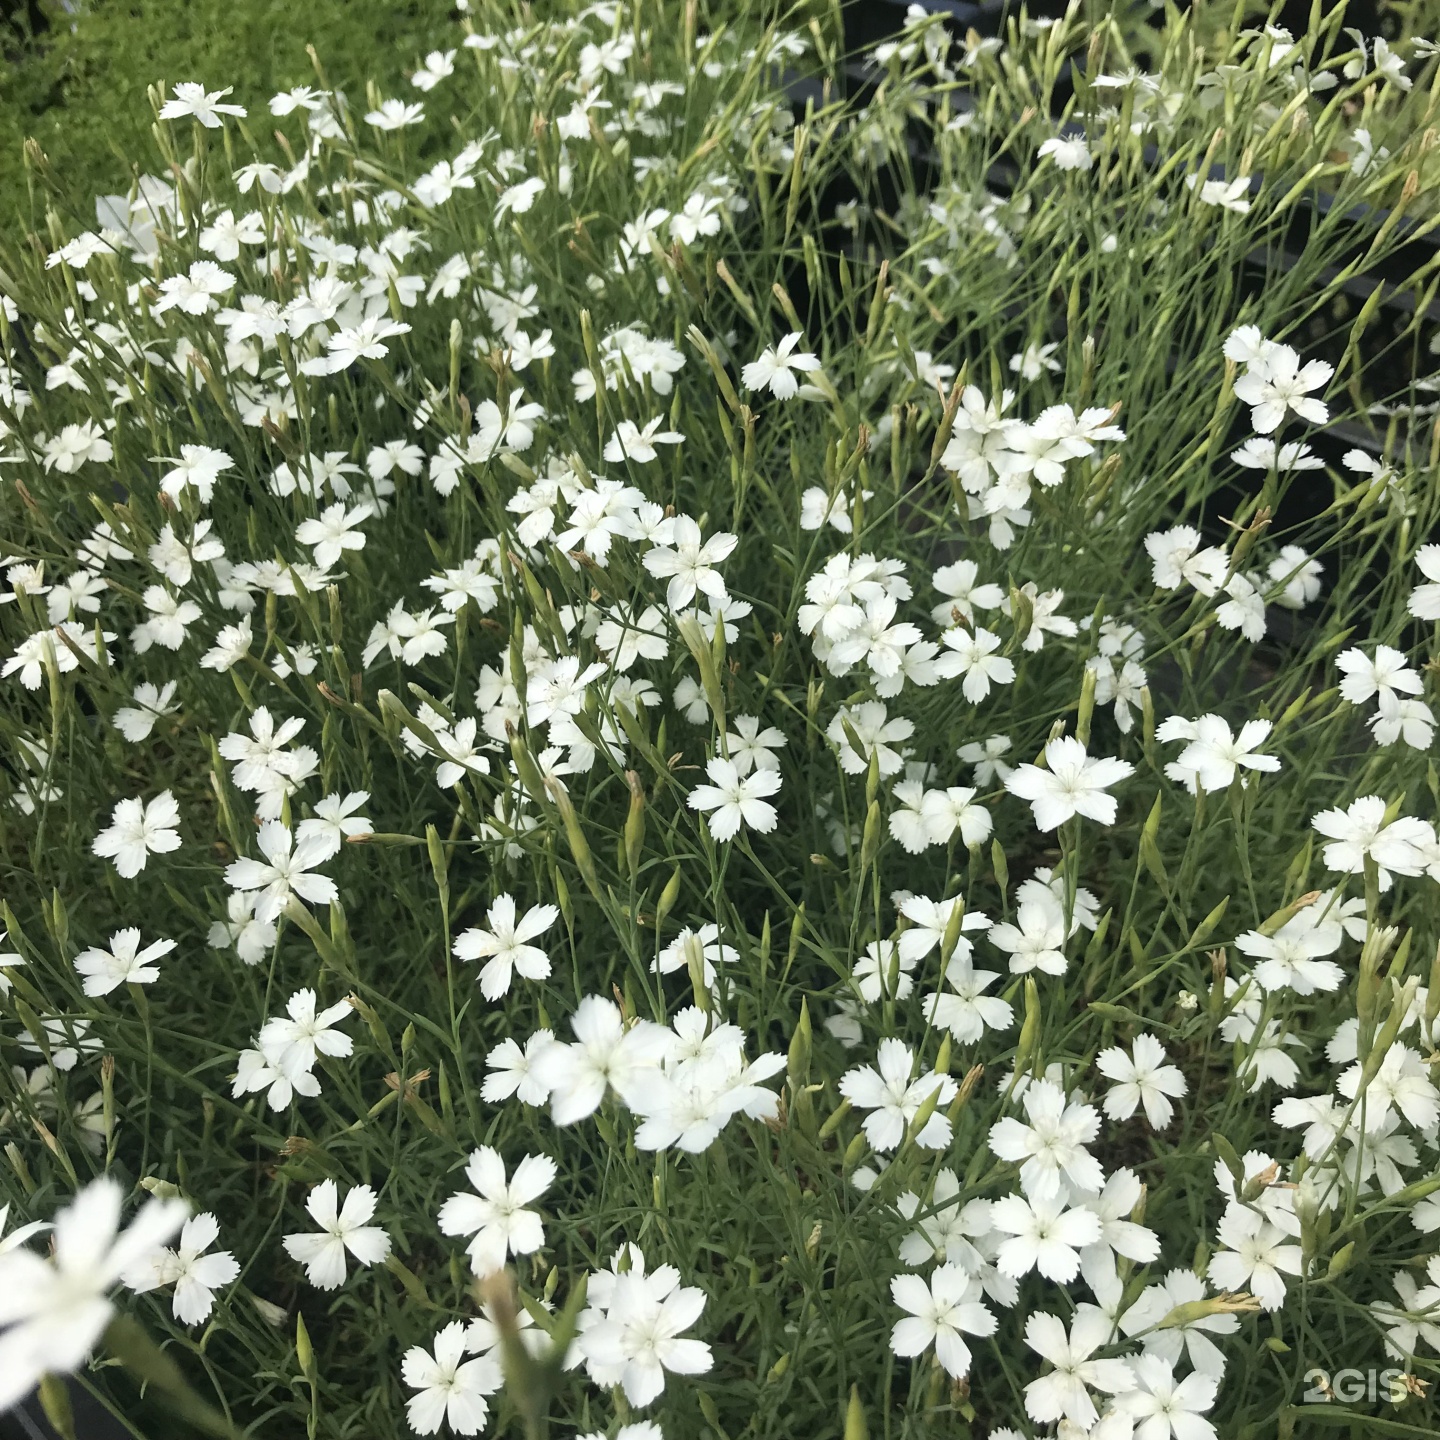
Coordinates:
<point>77,85</point>
<point>689,763</point>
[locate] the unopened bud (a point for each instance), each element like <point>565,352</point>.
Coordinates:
<point>797,1065</point>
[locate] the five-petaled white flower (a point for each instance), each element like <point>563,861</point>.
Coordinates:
<point>1400,846</point>
<point>335,530</point>
<point>690,564</point>
<point>453,1390</point>
<point>1214,753</point>
<point>190,98</point>
<point>342,1227</point>
<point>124,963</point>
<point>288,869</point>
<point>734,799</point>
<point>633,442</point>
<point>893,1094</point>
<point>1276,382</point>
<point>1143,1077</point>
<point>1064,1394</point>
<point>972,654</point>
<point>1050,1150</point>
<point>194,1274</point>
<point>1073,783</point>
<point>138,830</point>
<point>496,1217</point>
<point>55,1309</point>
<point>941,1312</point>
<point>776,368</point>
<point>505,945</point>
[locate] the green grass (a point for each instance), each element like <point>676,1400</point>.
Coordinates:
<point>79,89</point>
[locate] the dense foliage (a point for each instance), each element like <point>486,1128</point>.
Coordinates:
<point>689,763</point>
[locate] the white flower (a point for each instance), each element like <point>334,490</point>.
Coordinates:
<point>450,1392</point>
<point>752,748</point>
<point>1156,1302</point>
<point>1243,609</point>
<point>929,921</point>
<point>985,755</point>
<point>1260,452</point>
<point>1424,600</point>
<point>964,596</point>
<point>294,1040</point>
<point>965,1010</point>
<point>124,963</point>
<point>395,115</point>
<point>972,654</point>
<point>1036,940</point>
<point>138,830</point>
<point>1065,1392</point>
<point>1402,846</point>
<point>689,564</point>
<point>1387,674</point>
<point>1044,1235</point>
<point>197,291</point>
<point>869,724</point>
<point>136,722</point>
<point>1051,1148</point>
<point>192,99</point>
<point>1226,194</point>
<point>1257,1259</point>
<point>1303,577</point>
<point>1165,1407</point>
<point>54,1310</point>
<point>639,1337</point>
<point>335,531</point>
<point>606,1054</point>
<point>631,442</point>
<point>1289,959</point>
<point>894,1094</point>
<point>511,1071</point>
<point>250,938</point>
<point>505,947</point>
<point>1214,753</point>
<point>437,66</point>
<point>1141,1078</point>
<point>1276,382</point>
<point>776,366</point>
<point>1070,152</point>
<point>198,466</point>
<point>1409,720</point>
<point>1177,557</point>
<point>734,799</point>
<point>1073,784</point>
<point>496,1216</point>
<point>284,871</point>
<point>703,947</point>
<point>940,1313</point>
<point>350,343</point>
<point>1388,65</point>
<point>518,199</point>
<point>195,1275</point>
<point>335,821</point>
<point>342,1228</point>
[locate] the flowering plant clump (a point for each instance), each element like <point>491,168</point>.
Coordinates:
<point>660,783</point>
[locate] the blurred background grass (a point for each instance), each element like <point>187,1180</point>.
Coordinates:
<point>73,73</point>
<point>74,77</point>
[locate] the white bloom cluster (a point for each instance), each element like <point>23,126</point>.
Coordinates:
<point>483,597</point>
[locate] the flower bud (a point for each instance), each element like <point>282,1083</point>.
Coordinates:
<point>668,896</point>
<point>855,1426</point>
<point>797,1065</point>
